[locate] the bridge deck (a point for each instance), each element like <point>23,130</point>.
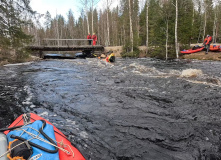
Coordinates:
<point>67,48</point>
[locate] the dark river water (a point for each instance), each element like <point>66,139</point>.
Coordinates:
<point>135,109</point>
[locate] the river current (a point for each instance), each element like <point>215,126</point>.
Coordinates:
<point>134,109</point>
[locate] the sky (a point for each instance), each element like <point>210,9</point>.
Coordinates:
<point>63,6</point>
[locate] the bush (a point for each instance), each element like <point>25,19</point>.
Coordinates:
<point>127,51</point>
<point>160,52</point>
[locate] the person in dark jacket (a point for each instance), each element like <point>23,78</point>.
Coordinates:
<point>207,42</point>
<point>89,37</point>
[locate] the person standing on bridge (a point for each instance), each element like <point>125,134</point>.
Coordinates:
<point>89,37</point>
<point>94,37</point>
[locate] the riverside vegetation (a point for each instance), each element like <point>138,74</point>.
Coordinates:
<point>163,26</point>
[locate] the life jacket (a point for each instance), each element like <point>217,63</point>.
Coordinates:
<point>89,36</point>
<point>111,58</point>
<point>207,40</point>
<point>45,151</point>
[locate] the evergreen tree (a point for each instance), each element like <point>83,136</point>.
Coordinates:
<point>13,15</point>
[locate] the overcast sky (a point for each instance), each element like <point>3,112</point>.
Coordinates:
<point>63,6</point>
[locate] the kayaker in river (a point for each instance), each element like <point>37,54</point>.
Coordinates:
<point>108,57</point>
<point>111,58</point>
<point>89,37</point>
<point>207,42</point>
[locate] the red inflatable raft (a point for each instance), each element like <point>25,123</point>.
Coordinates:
<point>62,140</point>
<point>192,50</point>
<point>214,48</point>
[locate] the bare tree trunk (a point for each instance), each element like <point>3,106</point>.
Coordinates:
<point>57,29</point>
<point>176,41</point>
<point>147,25</point>
<point>167,36</point>
<point>124,35</point>
<point>138,27</point>
<point>98,33</point>
<point>85,4</point>
<point>204,28</point>
<point>192,24</point>
<point>88,28</point>
<point>108,26</point>
<point>86,13</point>
<point>214,25</point>
<point>92,18</point>
<point>217,29</point>
<point>131,28</point>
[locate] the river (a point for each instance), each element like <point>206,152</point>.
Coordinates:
<point>134,109</point>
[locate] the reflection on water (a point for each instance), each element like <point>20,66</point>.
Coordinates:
<point>133,109</point>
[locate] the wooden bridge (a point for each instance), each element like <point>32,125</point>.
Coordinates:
<point>66,45</point>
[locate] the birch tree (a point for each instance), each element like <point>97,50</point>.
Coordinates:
<point>215,24</point>
<point>166,15</point>
<point>109,2</point>
<point>85,4</point>
<point>131,27</point>
<point>176,40</point>
<point>93,3</point>
<point>147,24</point>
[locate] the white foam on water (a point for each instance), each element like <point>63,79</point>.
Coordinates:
<point>174,72</point>
<point>10,87</point>
<point>70,121</point>
<point>100,64</point>
<point>28,99</point>
<point>189,73</point>
<point>32,106</point>
<point>18,64</point>
<point>205,83</point>
<point>144,70</point>
<point>136,88</point>
<point>83,134</point>
<point>43,114</point>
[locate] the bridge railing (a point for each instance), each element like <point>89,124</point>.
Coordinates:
<point>65,42</point>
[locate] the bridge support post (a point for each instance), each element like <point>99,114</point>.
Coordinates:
<point>88,53</point>
<point>41,54</point>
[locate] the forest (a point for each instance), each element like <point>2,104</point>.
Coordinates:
<point>163,26</point>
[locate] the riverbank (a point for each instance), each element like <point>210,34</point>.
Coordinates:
<point>117,50</point>
<point>215,56</point>
<point>10,60</point>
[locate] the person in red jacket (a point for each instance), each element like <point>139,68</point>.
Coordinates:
<point>94,37</point>
<point>89,37</point>
<point>207,42</point>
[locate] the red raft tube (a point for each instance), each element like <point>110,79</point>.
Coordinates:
<point>192,50</point>
<point>215,48</point>
<point>63,143</point>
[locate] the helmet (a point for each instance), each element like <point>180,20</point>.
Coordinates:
<point>208,35</point>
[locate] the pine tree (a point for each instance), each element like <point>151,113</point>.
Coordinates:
<point>13,15</point>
